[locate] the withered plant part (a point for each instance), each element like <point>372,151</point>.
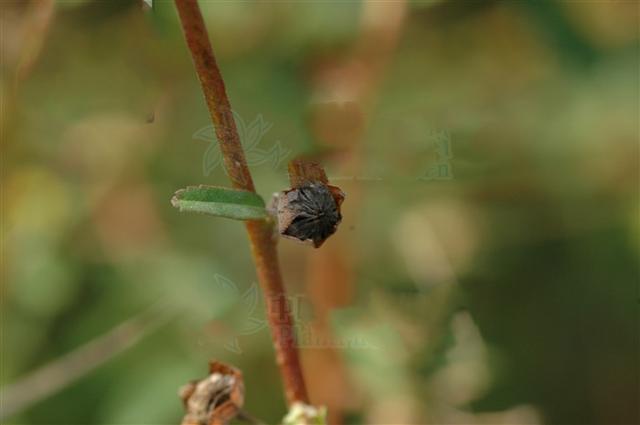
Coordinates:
<point>214,400</point>
<point>310,211</point>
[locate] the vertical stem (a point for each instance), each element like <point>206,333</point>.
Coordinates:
<point>263,245</point>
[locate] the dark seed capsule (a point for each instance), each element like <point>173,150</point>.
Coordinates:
<point>309,213</point>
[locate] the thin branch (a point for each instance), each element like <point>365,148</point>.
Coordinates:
<point>65,370</point>
<point>260,232</point>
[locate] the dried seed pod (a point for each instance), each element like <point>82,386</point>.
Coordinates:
<point>215,400</point>
<point>309,211</point>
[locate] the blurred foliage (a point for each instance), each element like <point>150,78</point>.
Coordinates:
<point>503,291</point>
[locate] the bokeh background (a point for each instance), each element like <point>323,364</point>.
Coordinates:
<point>485,272</point>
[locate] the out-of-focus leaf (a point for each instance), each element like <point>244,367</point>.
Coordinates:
<point>221,202</point>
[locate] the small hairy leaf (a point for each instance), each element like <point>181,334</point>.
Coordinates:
<point>221,202</point>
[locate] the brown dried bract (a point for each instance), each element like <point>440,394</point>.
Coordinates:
<point>302,171</point>
<point>214,400</point>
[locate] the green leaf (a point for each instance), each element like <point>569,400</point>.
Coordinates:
<point>221,202</point>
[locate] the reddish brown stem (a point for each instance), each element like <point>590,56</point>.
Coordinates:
<point>263,245</point>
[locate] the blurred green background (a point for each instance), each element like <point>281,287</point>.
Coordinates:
<point>485,272</point>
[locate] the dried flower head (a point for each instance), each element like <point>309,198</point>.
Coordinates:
<point>214,400</point>
<point>309,211</point>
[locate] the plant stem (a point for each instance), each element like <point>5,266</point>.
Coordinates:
<point>263,244</point>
